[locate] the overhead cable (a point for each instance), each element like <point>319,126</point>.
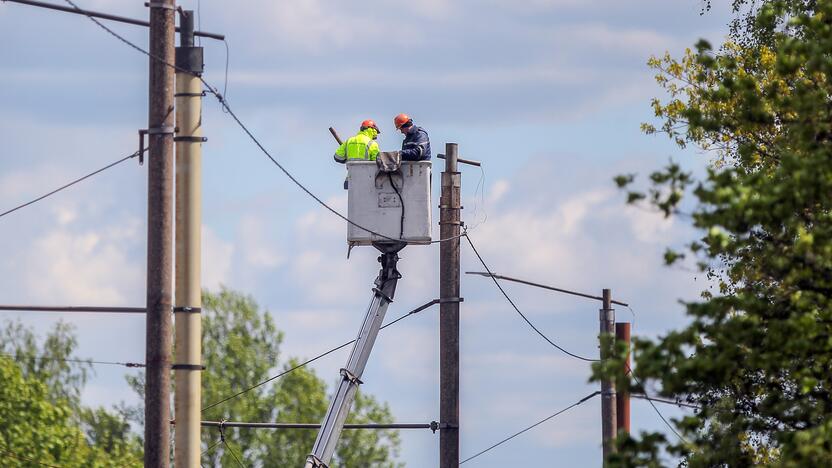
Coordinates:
<point>582,400</point>
<point>655,408</point>
<point>227,108</point>
<point>510,301</point>
<point>225,443</point>
<point>298,366</point>
<point>15,357</point>
<point>9,454</point>
<point>70,184</point>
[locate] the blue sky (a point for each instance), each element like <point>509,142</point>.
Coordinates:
<point>549,94</point>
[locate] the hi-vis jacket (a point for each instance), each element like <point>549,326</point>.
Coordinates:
<point>360,147</point>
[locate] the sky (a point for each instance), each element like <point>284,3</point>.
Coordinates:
<point>548,94</point>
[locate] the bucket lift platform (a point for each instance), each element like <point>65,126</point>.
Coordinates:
<point>388,211</point>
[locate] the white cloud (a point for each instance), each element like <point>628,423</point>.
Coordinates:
<point>88,266</point>
<point>217,256</point>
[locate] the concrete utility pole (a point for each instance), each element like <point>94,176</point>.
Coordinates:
<point>449,228</point>
<point>188,305</point>
<point>622,398</point>
<point>608,417</point>
<point>159,237</point>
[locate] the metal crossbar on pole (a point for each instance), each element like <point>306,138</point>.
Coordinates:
<point>105,16</point>
<point>538,285</point>
<point>95,309</point>
<point>434,426</point>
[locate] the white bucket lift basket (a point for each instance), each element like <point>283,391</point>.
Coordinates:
<point>374,204</point>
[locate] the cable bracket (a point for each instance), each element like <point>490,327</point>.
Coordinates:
<point>202,94</point>
<point>188,309</point>
<point>451,299</point>
<point>190,139</point>
<point>198,367</point>
<point>350,376</point>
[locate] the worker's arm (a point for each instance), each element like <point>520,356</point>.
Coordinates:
<point>373,153</point>
<point>416,148</point>
<point>341,154</point>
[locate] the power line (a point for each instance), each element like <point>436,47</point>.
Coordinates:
<point>491,275</point>
<point>582,400</point>
<point>77,361</point>
<point>298,366</point>
<point>22,458</point>
<point>655,408</point>
<point>91,309</point>
<point>70,184</point>
<point>668,402</point>
<point>434,426</point>
<point>224,102</point>
<point>225,443</point>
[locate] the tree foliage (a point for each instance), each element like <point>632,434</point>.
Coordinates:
<point>43,421</point>
<point>757,353</point>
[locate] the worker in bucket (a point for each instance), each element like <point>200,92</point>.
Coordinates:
<point>361,147</point>
<point>416,144</point>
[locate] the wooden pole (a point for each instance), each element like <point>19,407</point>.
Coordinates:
<point>622,397</point>
<point>159,237</point>
<point>608,405</point>
<point>449,228</point>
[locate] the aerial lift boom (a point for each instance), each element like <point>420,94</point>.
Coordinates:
<point>339,407</point>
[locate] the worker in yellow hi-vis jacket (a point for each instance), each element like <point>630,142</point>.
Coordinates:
<point>361,147</point>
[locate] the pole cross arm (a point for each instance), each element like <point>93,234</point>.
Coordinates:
<point>538,285</point>
<point>106,16</point>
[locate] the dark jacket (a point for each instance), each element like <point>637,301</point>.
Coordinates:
<point>416,145</point>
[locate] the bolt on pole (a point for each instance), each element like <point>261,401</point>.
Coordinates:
<point>622,397</point>
<point>159,236</point>
<point>449,228</point>
<point>188,300</point>
<point>608,404</point>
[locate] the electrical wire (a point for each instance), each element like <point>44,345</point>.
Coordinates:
<point>644,389</point>
<point>510,301</point>
<point>78,361</point>
<point>225,443</point>
<point>668,402</point>
<point>401,201</point>
<point>70,184</point>
<point>303,364</point>
<point>582,400</point>
<point>227,108</point>
<point>655,408</point>
<point>22,458</point>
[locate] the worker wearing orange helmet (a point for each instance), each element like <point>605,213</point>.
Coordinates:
<point>416,144</point>
<point>361,147</point>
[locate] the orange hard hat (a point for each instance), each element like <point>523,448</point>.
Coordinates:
<point>401,119</point>
<point>370,123</point>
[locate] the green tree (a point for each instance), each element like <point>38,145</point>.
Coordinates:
<point>43,421</point>
<point>757,354</point>
<point>241,347</point>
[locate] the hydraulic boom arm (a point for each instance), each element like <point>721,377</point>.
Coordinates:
<point>339,407</point>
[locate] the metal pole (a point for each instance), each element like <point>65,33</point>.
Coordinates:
<point>188,305</point>
<point>159,237</point>
<point>608,418</point>
<point>622,398</point>
<point>449,228</point>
